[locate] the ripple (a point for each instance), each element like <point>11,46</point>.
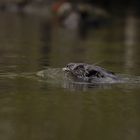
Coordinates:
<point>56,76</point>
<point>9,75</point>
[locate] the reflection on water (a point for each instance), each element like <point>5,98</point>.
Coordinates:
<point>33,109</point>
<point>46,38</point>
<point>130,39</point>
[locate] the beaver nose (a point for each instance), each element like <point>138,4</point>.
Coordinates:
<point>65,69</point>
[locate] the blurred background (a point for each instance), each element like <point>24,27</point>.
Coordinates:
<point>40,34</point>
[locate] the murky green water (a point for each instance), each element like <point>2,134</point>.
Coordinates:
<point>32,108</point>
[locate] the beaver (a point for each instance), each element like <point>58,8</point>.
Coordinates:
<point>88,72</point>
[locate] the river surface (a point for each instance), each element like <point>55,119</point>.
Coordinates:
<point>48,107</point>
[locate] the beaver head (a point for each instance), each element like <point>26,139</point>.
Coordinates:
<point>75,69</point>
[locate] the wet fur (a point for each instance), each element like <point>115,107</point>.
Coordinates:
<point>87,72</point>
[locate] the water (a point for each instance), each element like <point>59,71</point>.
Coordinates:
<point>34,108</point>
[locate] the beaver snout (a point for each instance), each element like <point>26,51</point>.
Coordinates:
<point>65,69</point>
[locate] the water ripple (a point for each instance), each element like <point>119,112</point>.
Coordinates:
<point>56,77</point>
